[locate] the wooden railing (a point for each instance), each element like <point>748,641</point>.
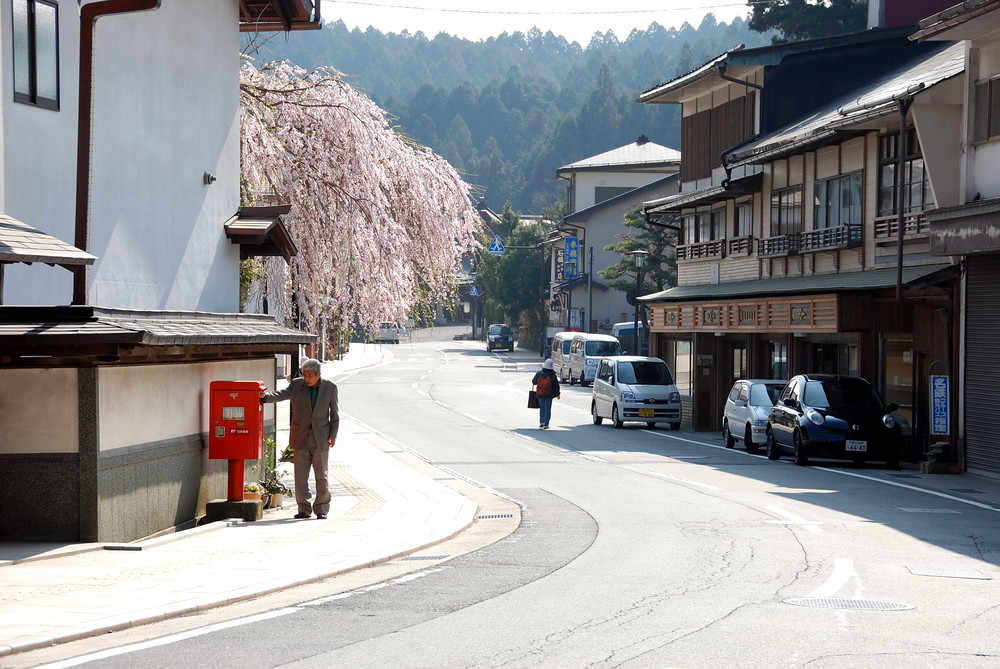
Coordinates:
<point>701,250</point>
<point>782,245</point>
<point>914,225</point>
<point>740,246</point>
<point>841,237</point>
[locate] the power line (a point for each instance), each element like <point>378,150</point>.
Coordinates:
<point>494,12</point>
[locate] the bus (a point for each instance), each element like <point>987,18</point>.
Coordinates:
<point>626,335</point>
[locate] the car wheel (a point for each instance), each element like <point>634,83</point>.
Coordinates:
<point>571,379</point>
<point>615,418</point>
<point>651,424</point>
<point>892,462</point>
<point>801,459</point>
<point>596,417</point>
<point>727,436</point>
<point>772,446</point>
<point>583,380</point>
<point>675,426</point>
<point>752,448</point>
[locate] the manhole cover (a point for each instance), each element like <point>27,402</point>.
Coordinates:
<point>913,510</point>
<point>425,557</point>
<point>950,573</point>
<point>847,603</point>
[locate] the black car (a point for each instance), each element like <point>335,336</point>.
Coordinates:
<point>833,416</point>
<point>499,336</point>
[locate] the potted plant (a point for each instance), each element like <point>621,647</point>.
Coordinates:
<point>273,491</point>
<point>253,491</point>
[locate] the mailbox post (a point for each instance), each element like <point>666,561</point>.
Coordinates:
<point>236,429</point>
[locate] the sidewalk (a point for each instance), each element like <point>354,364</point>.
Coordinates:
<point>385,505</point>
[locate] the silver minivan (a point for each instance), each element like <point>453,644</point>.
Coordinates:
<point>635,388</point>
<point>585,351</point>
<point>560,354</point>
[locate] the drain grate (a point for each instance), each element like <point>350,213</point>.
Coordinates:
<point>495,516</point>
<point>950,573</point>
<point>425,557</point>
<point>916,510</point>
<point>967,491</point>
<point>847,603</point>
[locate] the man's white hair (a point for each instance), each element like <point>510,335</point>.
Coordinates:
<point>311,364</point>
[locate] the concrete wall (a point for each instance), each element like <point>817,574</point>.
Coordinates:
<point>112,453</point>
<point>163,117</point>
<point>38,162</point>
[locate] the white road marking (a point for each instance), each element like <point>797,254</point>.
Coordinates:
<point>792,519</point>
<point>843,569</point>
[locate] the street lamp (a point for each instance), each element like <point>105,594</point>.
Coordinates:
<point>640,257</point>
<point>474,299</point>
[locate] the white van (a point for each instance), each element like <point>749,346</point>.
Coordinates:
<point>560,354</point>
<point>585,351</point>
<point>635,388</point>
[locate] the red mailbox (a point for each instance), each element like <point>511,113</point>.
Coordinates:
<point>236,427</point>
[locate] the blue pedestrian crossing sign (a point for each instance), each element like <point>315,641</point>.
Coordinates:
<point>496,246</point>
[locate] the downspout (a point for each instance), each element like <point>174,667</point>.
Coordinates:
<point>89,14</point>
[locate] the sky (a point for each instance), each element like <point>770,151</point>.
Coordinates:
<point>576,20</point>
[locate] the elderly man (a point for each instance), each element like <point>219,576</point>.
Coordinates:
<point>314,426</point>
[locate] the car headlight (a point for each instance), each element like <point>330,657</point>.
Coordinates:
<point>889,420</point>
<point>815,417</point>
<point>628,396</point>
<point>760,423</point>
<point>674,396</point>
<point>591,363</point>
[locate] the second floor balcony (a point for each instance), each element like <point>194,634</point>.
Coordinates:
<point>840,237</point>
<point>702,250</point>
<point>915,224</point>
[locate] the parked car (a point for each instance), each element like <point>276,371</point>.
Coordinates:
<point>389,332</point>
<point>499,336</point>
<point>833,416</point>
<point>635,388</point>
<point>585,351</point>
<point>560,355</point>
<point>747,408</point>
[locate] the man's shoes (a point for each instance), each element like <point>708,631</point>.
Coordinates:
<point>302,515</point>
<point>545,427</point>
<point>321,516</point>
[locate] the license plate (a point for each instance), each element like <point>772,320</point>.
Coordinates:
<point>646,413</point>
<point>857,446</point>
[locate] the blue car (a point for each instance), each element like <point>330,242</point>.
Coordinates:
<point>836,417</point>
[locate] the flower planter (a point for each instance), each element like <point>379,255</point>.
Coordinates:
<point>251,496</point>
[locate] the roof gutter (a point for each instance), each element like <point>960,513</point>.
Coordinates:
<point>89,14</point>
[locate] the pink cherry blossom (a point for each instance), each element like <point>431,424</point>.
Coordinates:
<point>380,222</point>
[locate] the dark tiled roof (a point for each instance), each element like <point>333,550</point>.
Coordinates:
<point>817,283</point>
<point>20,242</point>
<point>79,325</point>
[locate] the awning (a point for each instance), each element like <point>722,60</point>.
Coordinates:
<point>850,112</point>
<point>260,232</point>
<point>705,196</point>
<point>913,277</point>
<point>19,242</point>
<point>28,334</point>
<point>279,15</point>
<point>579,282</point>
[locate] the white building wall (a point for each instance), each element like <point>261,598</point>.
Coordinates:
<point>166,111</point>
<point>38,165</point>
<point>588,182</point>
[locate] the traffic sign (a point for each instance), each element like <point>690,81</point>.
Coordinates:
<point>496,247</point>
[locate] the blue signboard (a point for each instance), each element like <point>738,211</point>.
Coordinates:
<point>496,248</point>
<point>572,258</point>
<point>940,409</point>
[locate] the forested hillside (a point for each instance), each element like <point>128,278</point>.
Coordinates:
<point>509,110</point>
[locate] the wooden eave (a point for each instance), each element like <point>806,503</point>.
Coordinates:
<point>262,16</point>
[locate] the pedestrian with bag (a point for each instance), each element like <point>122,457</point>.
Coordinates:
<point>546,388</point>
